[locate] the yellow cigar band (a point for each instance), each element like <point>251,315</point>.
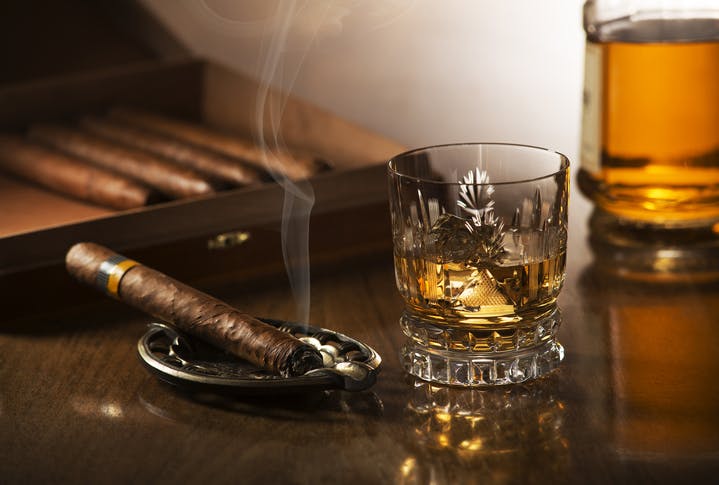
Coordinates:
<point>111,272</point>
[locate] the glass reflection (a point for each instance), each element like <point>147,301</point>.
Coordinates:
<point>654,255</point>
<point>662,340</point>
<point>503,435</point>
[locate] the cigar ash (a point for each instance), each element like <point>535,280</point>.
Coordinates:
<point>193,365</point>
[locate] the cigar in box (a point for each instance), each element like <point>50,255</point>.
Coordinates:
<point>191,311</point>
<point>294,166</point>
<point>212,164</point>
<point>70,176</point>
<point>166,177</point>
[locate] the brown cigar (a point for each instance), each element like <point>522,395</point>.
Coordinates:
<point>204,161</point>
<point>70,176</point>
<point>292,167</point>
<point>191,311</point>
<point>166,177</point>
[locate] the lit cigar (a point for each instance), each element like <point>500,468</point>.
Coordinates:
<point>191,311</point>
<point>166,177</point>
<point>70,176</point>
<point>204,161</point>
<point>292,167</point>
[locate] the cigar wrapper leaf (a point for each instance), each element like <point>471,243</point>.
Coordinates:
<point>164,176</point>
<point>206,162</point>
<point>294,166</point>
<point>69,175</point>
<point>191,311</point>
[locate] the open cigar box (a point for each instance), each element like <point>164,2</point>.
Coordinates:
<point>128,59</point>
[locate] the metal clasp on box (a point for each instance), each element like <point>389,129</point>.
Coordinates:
<point>228,239</point>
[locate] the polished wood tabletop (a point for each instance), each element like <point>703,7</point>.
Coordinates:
<point>636,399</point>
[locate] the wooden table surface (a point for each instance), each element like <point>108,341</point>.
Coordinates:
<point>636,399</point>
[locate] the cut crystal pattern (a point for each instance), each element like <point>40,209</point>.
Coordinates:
<point>475,199</point>
<point>511,336</point>
<point>470,370</point>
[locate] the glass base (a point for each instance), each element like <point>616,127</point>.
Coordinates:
<point>481,355</point>
<point>470,369</point>
<point>654,254</point>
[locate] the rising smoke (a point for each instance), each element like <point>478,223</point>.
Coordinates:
<point>287,30</point>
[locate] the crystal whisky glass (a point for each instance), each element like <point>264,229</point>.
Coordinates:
<point>479,237</point>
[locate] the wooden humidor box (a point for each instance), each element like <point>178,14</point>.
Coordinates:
<point>349,216</point>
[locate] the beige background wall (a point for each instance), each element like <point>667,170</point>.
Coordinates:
<point>422,72</point>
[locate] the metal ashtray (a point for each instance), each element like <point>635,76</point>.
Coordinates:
<point>190,364</point>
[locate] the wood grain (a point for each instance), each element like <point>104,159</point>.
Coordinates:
<point>634,401</point>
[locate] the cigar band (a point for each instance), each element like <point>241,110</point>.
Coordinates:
<point>111,272</point>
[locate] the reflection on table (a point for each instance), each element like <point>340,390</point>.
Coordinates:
<point>510,434</point>
<point>662,341</point>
